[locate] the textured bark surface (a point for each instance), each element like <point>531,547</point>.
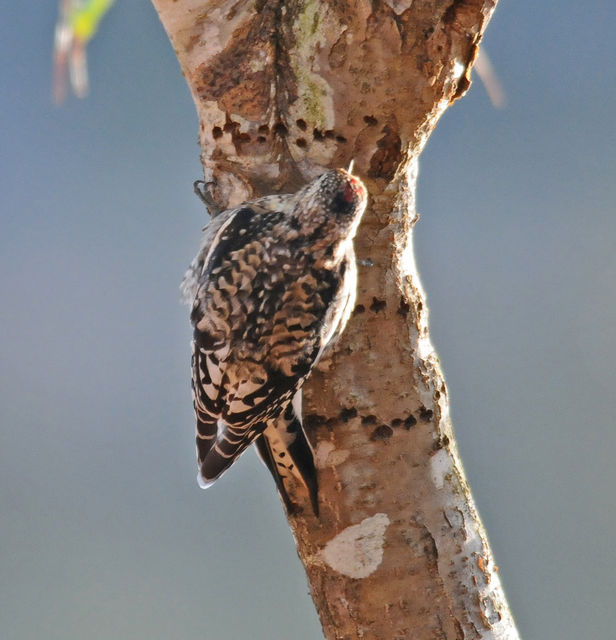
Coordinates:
<point>283,91</point>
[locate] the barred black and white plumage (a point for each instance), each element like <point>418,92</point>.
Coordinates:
<point>272,286</point>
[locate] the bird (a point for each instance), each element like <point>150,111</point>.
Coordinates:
<point>271,288</point>
<point>78,22</point>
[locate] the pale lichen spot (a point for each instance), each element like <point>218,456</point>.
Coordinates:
<point>324,448</point>
<point>338,457</point>
<point>459,69</point>
<point>399,6</point>
<point>328,456</point>
<point>440,467</point>
<point>357,551</point>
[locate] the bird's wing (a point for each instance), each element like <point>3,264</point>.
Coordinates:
<point>261,315</point>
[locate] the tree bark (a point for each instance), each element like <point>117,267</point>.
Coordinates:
<point>284,91</point>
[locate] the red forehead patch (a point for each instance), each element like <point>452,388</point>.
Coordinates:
<point>353,187</point>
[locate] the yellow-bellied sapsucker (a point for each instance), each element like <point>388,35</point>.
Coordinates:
<point>272,286</point>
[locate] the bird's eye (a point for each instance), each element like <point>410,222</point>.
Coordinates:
<point>345,198</point>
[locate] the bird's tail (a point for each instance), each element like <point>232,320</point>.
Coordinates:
<point>286,452</point>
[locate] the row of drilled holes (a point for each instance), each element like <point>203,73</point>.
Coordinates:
<point>280,129</point>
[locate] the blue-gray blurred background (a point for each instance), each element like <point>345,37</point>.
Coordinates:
<point>103,531</point>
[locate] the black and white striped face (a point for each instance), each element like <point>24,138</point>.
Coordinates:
<point>342,193</point>
<point>336,200</point>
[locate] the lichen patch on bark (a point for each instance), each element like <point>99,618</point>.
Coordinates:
<point>357,551</point>
<point>440,466</point>
<point>327,455</point>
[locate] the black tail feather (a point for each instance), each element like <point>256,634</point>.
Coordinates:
<point>267,456</point>
<point>301,458</point>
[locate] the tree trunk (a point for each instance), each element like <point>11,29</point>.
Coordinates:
<point>284,91</point>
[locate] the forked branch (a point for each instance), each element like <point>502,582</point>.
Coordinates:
<point>285,90</point>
